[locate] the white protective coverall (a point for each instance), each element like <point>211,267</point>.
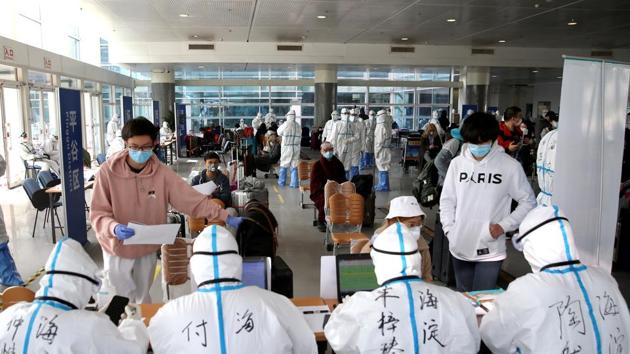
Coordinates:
<point>116,145</point>
<point>343,137</point>
<point>368,145</point>
<point>382,152</point>
<point>257,121</point>
<point>405,314</point>
<point>328,127</point>
<point>270,118</point>
<point>434,120</point>
<point>112,127</point>
<point>29,153</point>
<point>563,306</point>
<point>291,133</point>
<point>224,316</point>
<point>357,146</point>
<point>165,131</point>
<point>545,166</point>
<point>55,321</point>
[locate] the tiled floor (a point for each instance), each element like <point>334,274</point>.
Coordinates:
<point>300,244</point>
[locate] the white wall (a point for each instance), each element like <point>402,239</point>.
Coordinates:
<point>57,18</point>
<point>548,92</point>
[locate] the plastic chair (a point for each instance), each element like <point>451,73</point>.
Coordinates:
<point>30,170</point>
<point>15,294</point>
<point>175,260</point>
<point>347,188</point>
<point>346,212</point>
<point>40,201</point>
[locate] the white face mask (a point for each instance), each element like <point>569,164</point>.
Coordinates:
<point>525,131</point>
<point>554,124</point>
<point>415,231</point>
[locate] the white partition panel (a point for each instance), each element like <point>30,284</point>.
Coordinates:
<point>589,152</point>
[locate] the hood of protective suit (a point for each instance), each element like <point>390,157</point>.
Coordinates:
<point>371,114</point>
<point>115,118</point>
<point>334,115</point>
<point>259,115</point>
<point>68,256</point>
<point>215,256</point>
<point>165,125</point>
<point>381,116</point>
<point>546,243</point>
<point>290,116</point>
<point>395,254</point>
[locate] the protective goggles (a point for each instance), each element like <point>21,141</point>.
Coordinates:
<point>517,238</point>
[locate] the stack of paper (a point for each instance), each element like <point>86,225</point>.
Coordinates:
<point>152,234</point>
<point>205,188</point>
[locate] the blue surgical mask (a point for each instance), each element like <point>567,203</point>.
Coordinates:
<point>140,156</point>
<point>328,155</point>
<point>479,151</point>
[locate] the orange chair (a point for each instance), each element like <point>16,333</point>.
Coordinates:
<point>346,213</point>
<point>304,175</point>
<point>15,294</point>
<point>175,260</point>
<point>347,188</point>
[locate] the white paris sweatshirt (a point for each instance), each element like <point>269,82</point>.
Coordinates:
<point>479,193</point>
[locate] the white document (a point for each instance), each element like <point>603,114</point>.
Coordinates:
<point>205,188</point>
<point>314,316</point>
<point>328,277</point>
<point>152,234</point>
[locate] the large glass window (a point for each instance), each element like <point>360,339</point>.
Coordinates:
<point>351,94</point>
<point>233,103</point>
<point>7,73</point>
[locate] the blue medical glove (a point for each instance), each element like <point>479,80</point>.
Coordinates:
<point>233,221</point>
<point>122,232</point>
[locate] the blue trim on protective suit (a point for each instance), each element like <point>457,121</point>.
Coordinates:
<point>31,321</point>
<point>217,290</point>
<point>587,299</point>
<point>412,311</point>
<point>566,270</point>
<point>222,287</point>
<point>544,169</point>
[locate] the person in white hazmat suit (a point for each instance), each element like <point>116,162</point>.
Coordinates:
<point>564,306</point>
<point>112,127</point>
<point>270,118</point>
<point>434,120</point>
<point>545,166</point>
<point>328,127</point>
<point>224,316</point>
<point>116,145</point>
<point>382,152</point>
<point>55,321</point>
<point>367,160</point>
<point>165,131</point>
<point>291,133</point>
<point>405,314</point>
<point>357,146</point>
<point>343,138</point>
<point>257,121</point>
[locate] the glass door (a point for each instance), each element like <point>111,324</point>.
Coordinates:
<point>12,128</point>
<point>96,124</point>
<point>89,129</point>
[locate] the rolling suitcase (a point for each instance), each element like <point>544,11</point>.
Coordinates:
<point>442,268</point>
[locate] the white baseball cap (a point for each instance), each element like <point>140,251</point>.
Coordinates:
<point>404,207</point>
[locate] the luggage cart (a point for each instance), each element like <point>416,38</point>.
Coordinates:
<point>412,153</point>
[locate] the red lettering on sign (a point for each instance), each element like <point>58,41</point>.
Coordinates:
<point>8,53</point>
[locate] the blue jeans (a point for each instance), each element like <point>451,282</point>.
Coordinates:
<point>472,276</point>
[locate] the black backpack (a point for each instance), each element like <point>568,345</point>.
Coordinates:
<point>425,186</point>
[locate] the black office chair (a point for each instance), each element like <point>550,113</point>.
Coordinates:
<point>227,145</point>
<point>39,199</point>
<point>30,170</point>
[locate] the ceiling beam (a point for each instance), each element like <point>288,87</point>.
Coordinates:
<point>252,16</point>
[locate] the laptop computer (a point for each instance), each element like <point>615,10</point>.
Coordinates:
<point>257,272</point>
<point>355,272</point>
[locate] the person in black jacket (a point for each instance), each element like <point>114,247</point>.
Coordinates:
<point>328,167</point>
<point>212,173</point>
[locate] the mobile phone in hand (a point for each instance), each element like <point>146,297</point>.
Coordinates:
<point>116,308</point>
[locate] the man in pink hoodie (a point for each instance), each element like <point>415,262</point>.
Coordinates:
<point>134,186</point>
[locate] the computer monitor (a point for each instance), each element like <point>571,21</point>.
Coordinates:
<point>257,272</point>
<point>355,272</point>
